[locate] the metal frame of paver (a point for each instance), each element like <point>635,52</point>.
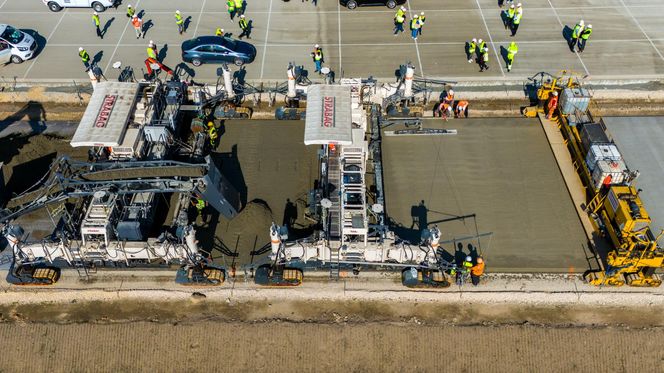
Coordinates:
<point>437,47</point>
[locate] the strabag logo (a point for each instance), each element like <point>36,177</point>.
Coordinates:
<point>105,111</point>
<point>328,112</point>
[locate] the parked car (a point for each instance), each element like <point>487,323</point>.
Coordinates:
<point>217,49</point>
<point>352,4</point>
<point>97,5</point>
<point>22,45</point>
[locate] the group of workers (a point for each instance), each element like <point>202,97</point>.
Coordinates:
<point>446,106</point>
<point>512,17</point>
<point>235,7</point>
<point>416,23</point>
<point>478,48</point>
<point>580,36</point>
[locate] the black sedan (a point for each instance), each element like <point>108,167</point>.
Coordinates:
<point>217,49</point>
<point>352,4</point>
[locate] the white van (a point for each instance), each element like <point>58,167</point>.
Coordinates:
<point>97,5</point>
<point>22,45</point>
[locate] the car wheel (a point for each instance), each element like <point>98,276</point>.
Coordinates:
<point>352,4</point>
<point>54,7</point>
<point>98,7</point>
<point>391,4</point>
<point>17,59</point>
<point>196,62</point>
<point>238,62</point>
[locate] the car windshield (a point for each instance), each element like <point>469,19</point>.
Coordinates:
<point>12,35</point>
<point>228,43</point>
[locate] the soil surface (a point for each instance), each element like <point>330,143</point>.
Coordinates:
<point>327,336</point>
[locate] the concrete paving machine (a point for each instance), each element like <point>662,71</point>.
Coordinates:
<point>628,250</point>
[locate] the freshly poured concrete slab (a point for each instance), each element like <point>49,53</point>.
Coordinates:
<point>640,142</point>
<point>503,170</point>
<point>269,165</point>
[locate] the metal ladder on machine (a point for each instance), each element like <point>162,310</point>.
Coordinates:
<point>83,270</point>
<point>334,263</point>
<point>334,178</point>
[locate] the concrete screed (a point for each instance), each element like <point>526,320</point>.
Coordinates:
<point>500,169</point>
<point>627,43</point>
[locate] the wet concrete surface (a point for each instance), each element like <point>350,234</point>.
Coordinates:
<point>503,170</point>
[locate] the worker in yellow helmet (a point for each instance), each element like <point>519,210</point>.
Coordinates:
<point>511,51</point>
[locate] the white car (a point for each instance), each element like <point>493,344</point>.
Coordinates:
<point>97,5</point>
<point>22,45</point>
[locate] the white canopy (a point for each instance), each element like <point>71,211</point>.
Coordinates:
<point>105,120</point>
<point>328,118</point>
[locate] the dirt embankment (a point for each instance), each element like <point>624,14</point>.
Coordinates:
<point>198,335</point>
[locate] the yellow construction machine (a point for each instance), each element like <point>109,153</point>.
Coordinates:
<point>629,252</point>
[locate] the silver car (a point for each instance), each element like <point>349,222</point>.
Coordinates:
<point>22,45</point>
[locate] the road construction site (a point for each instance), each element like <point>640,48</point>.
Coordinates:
<point>270,202</point>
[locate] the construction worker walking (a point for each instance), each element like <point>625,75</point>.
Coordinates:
<point>130,11</point>
<point>516,21</point>
<point>138,26</point>
<point>511,51</point>
<point>230,6</point>
<point>399,19</point>
<point>470,50</point>
<point>245,26</point>
<point>96,22</point>
<point>414,26</point>
<point>583,38</point>
<point>477,271</point>
<point>317,55</point>
<point>421,21</point>
<point>152,50</point>
<point>576,33</point>
<point>484,59</point>
<point>85,57</point>
<point>179,21</point>
<point>239,7</point>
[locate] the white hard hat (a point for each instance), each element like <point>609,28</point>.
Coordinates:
<point>134,16</point>
<point>486,49</point>
<point>242,16</point>
<point>415,16</point>
<point>80,49</point>
<point>581,22</point>
<point>451,91</point>
<point>403,8</point>
<point>480,260</point>
<point>518,5</point>
<point>151,42</point>
<point>177,11</point>
<point>480,41</point>
<point>512,6</point>
<point>589,26</point>
<point>469,258</point>
<point>475,40</point>
<point>554,93</point>
<point>422,13</point>
<point>316,46</point>
<point>128,5</point>
<point>95,13</point>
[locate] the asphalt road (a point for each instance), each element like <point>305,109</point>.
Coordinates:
<point>627,43</point>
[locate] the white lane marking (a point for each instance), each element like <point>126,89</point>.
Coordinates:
<point>200,15</point>
<point>44,47</point>
<point>417,47</point>
<point>562,25</point>
<point>498,59</point>
<point>642,30</point>
<point>110,60</point>
<point>339,18</point>
<point>267,33</point>
<point>5,2</point>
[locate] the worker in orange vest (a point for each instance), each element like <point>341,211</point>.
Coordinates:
<point>461,109</point>
<point>138,26</point>
<point>477,271</point>
<point>552,104</point>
